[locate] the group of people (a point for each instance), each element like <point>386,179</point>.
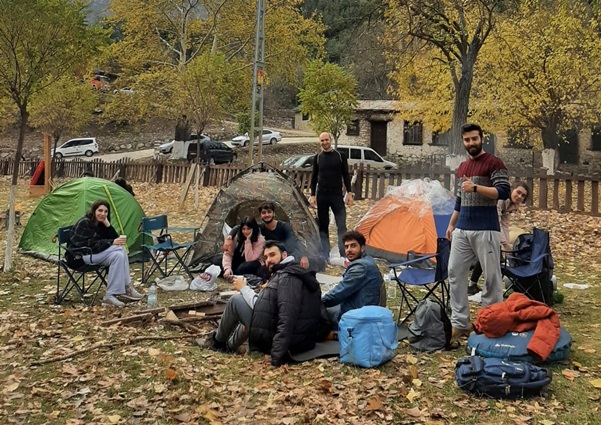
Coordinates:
<point>288,313</point>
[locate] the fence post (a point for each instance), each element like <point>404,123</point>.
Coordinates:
<point>568,200</point>
<point>158,176</point>
<point>580,194</point>
<point>359,182</point>
<point>595,194</point>
<point>542,189</point>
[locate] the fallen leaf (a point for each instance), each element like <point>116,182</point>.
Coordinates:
<point>413,371</point>
<point>577,365</point>
<point>596,383</point>
<point>153,352</point>
<point>547,422</point>
<point>10,388</point>
<point>415,412</point>
<point>170,374</point>
<point>374,404</point>
<point>78,338</point>
<point>412,395</point>
<point>184,417</point>
<point>417,382</point>
<point>570,374</point>
<point>411,359</point>
<point>114,419</point>
<point>590,351</point>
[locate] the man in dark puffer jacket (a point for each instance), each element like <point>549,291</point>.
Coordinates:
<point>287,312</point>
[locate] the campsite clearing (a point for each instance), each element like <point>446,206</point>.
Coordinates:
<point>153,374</point>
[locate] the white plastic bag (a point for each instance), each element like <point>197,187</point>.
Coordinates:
<point>206,280</point>
<point>173,283</point>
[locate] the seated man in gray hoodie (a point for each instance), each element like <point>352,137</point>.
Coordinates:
<point>284,317</point>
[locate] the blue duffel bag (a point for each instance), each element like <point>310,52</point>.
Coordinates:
<point>367,336</point>
<point>514,346</point>
<point>500,378</point>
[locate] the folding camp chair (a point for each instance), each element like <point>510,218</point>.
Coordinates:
<point>164,248</point>
<point>529,268</point>
<point>76,274</point>
<point>421,272</point>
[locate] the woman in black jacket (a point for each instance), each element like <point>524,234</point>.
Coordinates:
<point>102,245</point>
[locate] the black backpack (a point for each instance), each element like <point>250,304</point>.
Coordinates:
<point>499,378</point>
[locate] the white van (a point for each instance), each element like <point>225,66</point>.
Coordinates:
<point>366,156</point>
<point>76,147</point>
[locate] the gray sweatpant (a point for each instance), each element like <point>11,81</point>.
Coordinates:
<point>115,257</point>
<point>235,322</point>
<point>466,246</point>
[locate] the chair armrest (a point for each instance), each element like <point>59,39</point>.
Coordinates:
<point>532,260</point>
<point>183,229</point>
<point>416,260</point>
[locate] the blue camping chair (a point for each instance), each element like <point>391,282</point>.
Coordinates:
<point>422,272</point>
<point>85,279</point>
<point>529,268</point>
<point>164,248</point>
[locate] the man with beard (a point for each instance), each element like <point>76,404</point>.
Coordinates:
<point>361,283</point>
<point>474,227</point>
<point>284,317</point>
<point>275,230</point>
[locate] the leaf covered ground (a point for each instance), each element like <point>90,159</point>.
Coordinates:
<point>153,374</point>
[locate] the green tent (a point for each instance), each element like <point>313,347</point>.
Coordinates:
<point>69,202</point>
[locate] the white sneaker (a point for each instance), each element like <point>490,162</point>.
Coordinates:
<point>112,301</point>
<point>132,294</point>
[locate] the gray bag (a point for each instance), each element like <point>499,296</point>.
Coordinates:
<point>431,329</point>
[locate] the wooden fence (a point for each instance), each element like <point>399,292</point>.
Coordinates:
<point>561,192</point>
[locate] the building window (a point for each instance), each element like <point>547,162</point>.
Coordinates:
<point>305,117</point>
<point>519,138</point>
<point>596,139</point>
<point>440,138</point>
<point>353,128</point>
<point>412,133</point>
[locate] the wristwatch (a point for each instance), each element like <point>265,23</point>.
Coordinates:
<point>475,188</point>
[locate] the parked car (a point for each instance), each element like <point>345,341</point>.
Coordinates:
<point>269,137</point>
<point>218,152</point>
<point>366,156</point>
<point>100,82</point>
<point>76,147</point>
<point>167,148</point>
<point>299,161</point>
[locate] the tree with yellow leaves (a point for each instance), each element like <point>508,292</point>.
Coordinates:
<point>434,45</point>
<point>542,71</point>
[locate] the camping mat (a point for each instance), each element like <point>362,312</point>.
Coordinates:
<point>328,348</point>
<point>331,348</point>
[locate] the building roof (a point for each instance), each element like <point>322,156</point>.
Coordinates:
<point>378,105</point>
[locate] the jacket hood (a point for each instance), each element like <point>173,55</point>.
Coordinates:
<point>294,268</point>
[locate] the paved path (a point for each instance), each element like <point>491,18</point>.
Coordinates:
<point>148,153</point>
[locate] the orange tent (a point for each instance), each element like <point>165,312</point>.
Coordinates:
<point>409,218</point>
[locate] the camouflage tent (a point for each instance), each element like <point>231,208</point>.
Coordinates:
<point>242,197</point>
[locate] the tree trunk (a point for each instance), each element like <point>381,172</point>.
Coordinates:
<point>460,108</point>
<point>8,253</point>
<point>551,139</point>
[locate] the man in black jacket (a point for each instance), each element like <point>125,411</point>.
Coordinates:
<point>284,317</point>
<point>330,172</point>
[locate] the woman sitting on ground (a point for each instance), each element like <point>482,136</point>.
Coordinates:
<point>245,254</point>
<point>94,231</point>
<point>518,197</point>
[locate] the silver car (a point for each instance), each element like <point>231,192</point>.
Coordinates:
<point>269,137</point>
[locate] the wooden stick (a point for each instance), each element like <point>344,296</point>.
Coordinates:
<point>113,345</point>
<point>126,319</point>
<point>184,325</point>
<point>151,310</point>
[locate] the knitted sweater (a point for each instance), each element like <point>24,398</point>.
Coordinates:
<point>477,212</point>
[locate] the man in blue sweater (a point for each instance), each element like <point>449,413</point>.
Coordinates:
<point>474,227</point>
<point>361,282</point>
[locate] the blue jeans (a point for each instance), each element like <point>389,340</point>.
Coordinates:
<point>335,202</point>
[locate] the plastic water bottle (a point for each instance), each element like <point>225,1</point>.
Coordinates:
<point>152,295</point>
